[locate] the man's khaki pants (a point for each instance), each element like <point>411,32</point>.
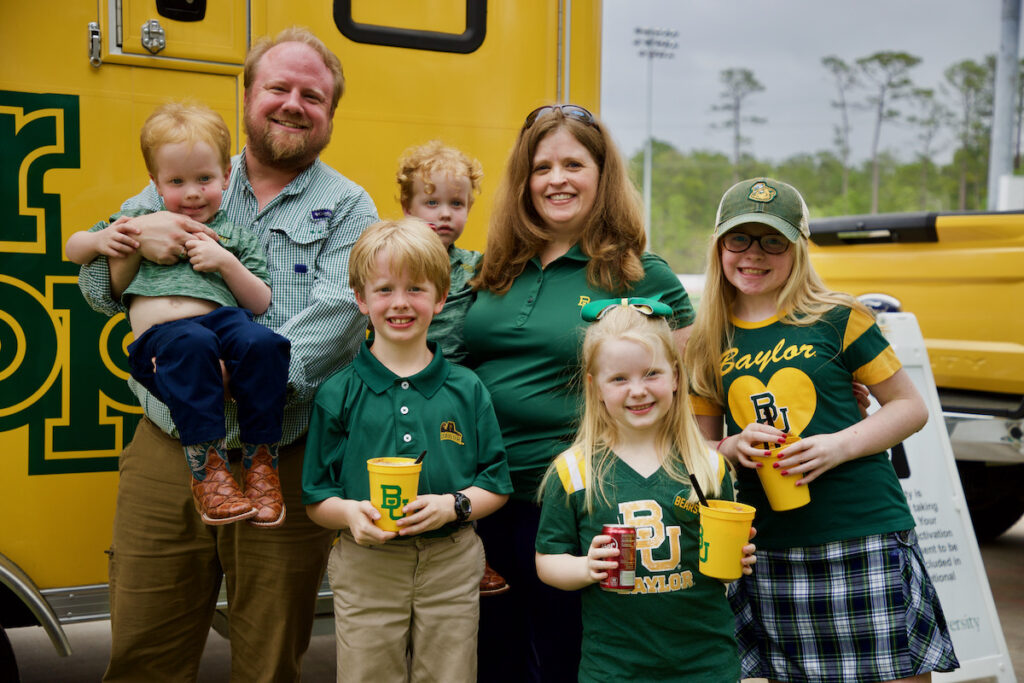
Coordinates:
<point>166,567</point>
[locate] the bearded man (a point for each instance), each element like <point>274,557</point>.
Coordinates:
<point>165,563</point>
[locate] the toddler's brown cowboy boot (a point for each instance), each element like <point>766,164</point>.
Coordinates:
<point>217,496</point>
<point>262,485</point>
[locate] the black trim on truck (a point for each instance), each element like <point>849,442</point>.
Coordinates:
<point>1005,406</point>
<point>883,228</point>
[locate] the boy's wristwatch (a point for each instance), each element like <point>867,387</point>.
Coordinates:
<point>463,507</point>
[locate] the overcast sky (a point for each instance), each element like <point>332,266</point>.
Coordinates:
<point>782,42</point>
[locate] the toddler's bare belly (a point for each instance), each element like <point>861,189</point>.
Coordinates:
<point>146,311</point>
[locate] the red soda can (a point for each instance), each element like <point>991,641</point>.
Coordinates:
<point>623,576</point>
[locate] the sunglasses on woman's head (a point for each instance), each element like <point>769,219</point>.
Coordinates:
<point>739,242</point>
<point>571,111</point>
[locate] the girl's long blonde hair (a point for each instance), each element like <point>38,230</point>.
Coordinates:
<point>803,300</point>
<point>681,448</point>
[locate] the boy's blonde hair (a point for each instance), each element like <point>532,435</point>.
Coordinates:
<point>681,447</point>
<point>433,157</point>
<point>188,122</point>
<point>410,246</point>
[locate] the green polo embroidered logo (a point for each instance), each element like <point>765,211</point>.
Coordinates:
<point>584,300</point>
<point>450,433</point>
<point>762,192</point>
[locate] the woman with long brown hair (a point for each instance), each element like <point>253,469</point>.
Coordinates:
<point>567,228</point>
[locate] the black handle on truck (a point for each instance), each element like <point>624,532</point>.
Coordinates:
<point>882,228</point>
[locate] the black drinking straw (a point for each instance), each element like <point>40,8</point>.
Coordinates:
<point>420,459</point>
<point>700,494</point>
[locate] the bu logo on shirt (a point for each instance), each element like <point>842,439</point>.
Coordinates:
<point>450,433</point>
<point>658,548</point>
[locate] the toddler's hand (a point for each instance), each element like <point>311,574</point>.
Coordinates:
<point>600,559</point>
<point>206,254</point>
<point>117,239</point>
<point>361,524</point>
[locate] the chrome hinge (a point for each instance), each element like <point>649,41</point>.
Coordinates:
<point>94,44</point>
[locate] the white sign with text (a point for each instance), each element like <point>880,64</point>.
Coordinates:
<point>928,473</point>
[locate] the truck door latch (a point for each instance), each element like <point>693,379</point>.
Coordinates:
<point>153,38</point>
<point>94,44</point>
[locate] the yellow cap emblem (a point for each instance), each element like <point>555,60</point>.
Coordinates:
<point>762,192</point>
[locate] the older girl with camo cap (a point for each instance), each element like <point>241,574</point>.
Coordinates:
<point>840,591</point>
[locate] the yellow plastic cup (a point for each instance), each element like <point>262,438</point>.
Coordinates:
<point>782,492</point>
<point>724,530</point>
<point>393,483</point>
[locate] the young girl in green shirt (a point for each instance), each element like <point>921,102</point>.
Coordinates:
<point>630,464</point>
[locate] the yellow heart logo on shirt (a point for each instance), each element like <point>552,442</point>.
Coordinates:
<point>789,399</point>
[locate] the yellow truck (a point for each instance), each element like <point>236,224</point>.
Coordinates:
<point>77,80</point>
<point>962,276</point>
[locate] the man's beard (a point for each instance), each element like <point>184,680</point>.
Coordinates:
<point>284,150</point>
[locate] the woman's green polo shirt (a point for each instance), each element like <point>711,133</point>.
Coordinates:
<point>525,346</point>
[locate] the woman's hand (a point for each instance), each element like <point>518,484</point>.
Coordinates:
<point>748,560</point>
<point>863,396</point>
<point>601,558</point>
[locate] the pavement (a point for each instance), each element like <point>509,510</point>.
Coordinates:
<point>38,662</point>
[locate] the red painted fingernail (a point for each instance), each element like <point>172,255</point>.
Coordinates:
<point>782,439</point>
<point>767,452</point>
<point>775,465</point>
<point>758,465</point>
<point>780,455</point>
<point>784,472</point>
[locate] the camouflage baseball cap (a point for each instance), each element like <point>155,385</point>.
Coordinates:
<point>763,200</point>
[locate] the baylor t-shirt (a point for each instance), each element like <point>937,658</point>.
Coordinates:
<point>799,379</point>
<point>676,624</point>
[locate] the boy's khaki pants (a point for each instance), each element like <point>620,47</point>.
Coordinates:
<point>407,610</point>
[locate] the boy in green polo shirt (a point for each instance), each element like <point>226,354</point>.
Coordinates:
<point>415,590</point>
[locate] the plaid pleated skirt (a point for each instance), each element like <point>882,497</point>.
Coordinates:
<point>861,610</point>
